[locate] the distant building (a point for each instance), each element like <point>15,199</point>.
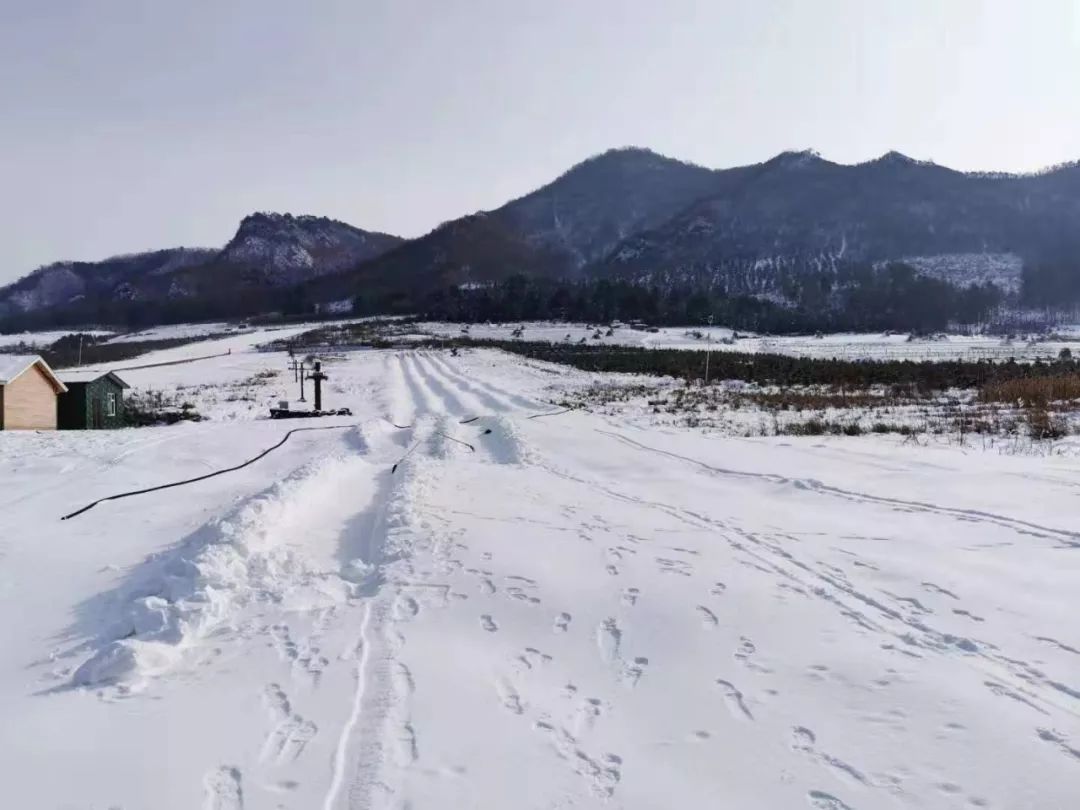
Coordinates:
<point>28,393</point>
<point>94,400</point>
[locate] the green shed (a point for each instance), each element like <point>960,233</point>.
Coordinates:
<point>94,399</point>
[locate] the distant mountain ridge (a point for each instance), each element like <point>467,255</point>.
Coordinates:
<point>61,283</point>
<point>269,251</point>
<point>628,214</point>
<point>801,210</point>
<point>554,231</point>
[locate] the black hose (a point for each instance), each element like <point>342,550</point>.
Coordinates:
<point>451,438</point>
<point>265,452</point>
<point>553,413</point>
<point>400,460</point>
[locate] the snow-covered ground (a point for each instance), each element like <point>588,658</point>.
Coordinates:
<point>42,339</point>
<point>875,346</point>
<point>180,330</point>
<point>580,612</point>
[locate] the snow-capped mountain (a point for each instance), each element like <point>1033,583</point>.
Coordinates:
<point>554,231</point>
<point>268,251</point>
<point>799,210</point>
<point>289,249</point>
<point>761,230</point>
<point>62,283</point>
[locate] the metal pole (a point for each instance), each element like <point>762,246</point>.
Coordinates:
<point>302,383</point>
<point>708,350</point>
<point>80,349</point>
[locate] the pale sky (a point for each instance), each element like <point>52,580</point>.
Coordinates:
<point>132,125</point>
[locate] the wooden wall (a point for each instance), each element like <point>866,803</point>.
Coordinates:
<point>29,402</point>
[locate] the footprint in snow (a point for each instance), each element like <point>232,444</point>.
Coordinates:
<point>223,789</point>
<point>804,741</point>
<point>488,623</point>
<point>633,671</point>
<point>509,696</point>
<point>708,618</point>
<point>608,640</point>
<point>820,800</point>
<point>290,733</point>
<point>734,700</point>
<point>562,623</point>
<point>968,614</point>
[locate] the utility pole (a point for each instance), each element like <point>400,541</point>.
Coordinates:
<point>708,349</point>
<point>80,349</point>
<point>318,377</point>
<point>301,371</point>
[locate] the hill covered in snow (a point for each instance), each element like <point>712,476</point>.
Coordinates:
<point>771,231</point>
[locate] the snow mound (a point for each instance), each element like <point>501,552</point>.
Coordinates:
<point>504,443</point>
<point>254,555</point>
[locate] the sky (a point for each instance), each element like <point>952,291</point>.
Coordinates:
<point>140,124</point>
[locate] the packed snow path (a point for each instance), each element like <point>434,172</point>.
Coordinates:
<point>577,614</point>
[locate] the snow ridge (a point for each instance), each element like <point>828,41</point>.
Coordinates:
<point>178,597</point>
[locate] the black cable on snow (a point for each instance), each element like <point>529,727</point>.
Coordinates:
<point>470,420</point>
<point>553,413</point>
<point>284,439</point>
<point>437,433</point>
<point>451,438</point>
<point>400,460</point>
<point>265,452</point>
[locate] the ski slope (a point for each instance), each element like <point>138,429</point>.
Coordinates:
<point>576,613</point>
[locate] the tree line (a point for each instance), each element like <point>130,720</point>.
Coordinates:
<point>858,299</point>
<point>777,369</point>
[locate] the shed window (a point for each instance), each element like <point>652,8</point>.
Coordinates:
<point>110,404</point>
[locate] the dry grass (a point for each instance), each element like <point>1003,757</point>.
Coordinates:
<point>1058,392</point>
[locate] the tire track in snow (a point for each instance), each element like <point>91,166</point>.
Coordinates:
<point>400,408</point>
<point>936,640</point>
<point>511,399</point>
<point>484,399</point>
<point>338,763</point>
<point>423,402</point>
<point>1068,538</point>
<point>431,382</point>
<point>501,443</point>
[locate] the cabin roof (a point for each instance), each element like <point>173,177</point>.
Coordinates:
<point>77,376</point>
<point>13,365</point>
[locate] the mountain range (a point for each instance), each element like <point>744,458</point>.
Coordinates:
<point>627,214</point>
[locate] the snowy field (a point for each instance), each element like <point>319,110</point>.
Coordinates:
<point>854,346</point>
<point>194,330</point>
<point>581,612</point>
<point>875,346</point>
<point>181,330</point>
<point>41,339</point>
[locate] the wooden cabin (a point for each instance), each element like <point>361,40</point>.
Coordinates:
<point>94,400</point>
<point>28,393</point>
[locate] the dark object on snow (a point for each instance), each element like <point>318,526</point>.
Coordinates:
<point>265,452</point>
<point>285,413</point>
<point>318,376</point>
<point>553,413</point>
